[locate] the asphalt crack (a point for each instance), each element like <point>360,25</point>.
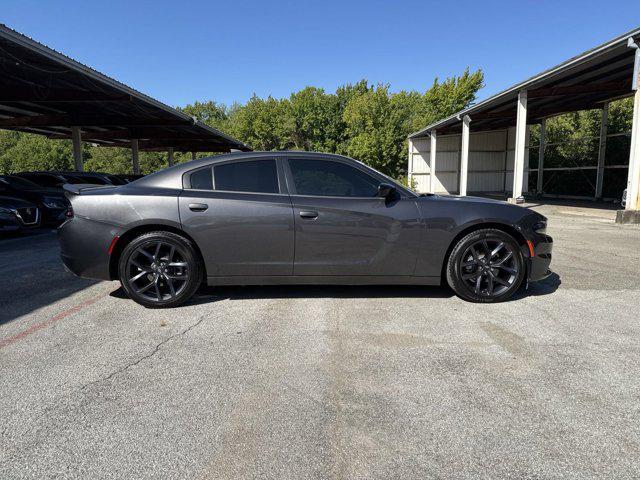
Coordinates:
<point>147,356</point>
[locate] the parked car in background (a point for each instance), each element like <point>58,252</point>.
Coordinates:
<point>17,214</point>
<point>55,179</point>
<point>52,203</point>
<point>95,178</point>
<point>295,217</point>
<point>45,179</point>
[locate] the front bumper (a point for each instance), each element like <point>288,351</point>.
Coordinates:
<point>12,222</point>
<point>539,263</point>
<point>84,247</point>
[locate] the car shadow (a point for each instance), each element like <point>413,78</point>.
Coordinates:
<point>209,294</point>
<point>546,286</point>
<point>33,276</point>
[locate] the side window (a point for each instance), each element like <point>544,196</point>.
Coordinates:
<point>331,179</point>
<point>202,179</point>
<point>259,176</point>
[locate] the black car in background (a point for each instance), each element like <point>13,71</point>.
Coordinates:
<point>128,178</point>
<point>48,179</point>
<point>55,179</point>
<point>17,214</point>
<point>52,203</point>
<point>95,178</point>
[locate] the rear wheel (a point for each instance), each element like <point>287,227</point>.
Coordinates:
<point>160,269</point>
<point>486,266</point>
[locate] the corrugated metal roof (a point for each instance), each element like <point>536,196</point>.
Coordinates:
<point>609,65</point>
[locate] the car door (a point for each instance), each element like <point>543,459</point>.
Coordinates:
<point>240,215</point>
<point>343,228</point>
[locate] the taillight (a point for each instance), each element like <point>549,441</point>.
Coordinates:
<point>69,212</point>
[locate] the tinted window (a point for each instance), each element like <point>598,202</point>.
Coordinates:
<point>259,176</point>
<point>326,178</point>
<point>202,180</point>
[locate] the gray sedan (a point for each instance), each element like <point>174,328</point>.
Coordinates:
<point>295,218</point>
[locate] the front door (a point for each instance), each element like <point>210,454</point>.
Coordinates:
<point>343,228</point>
<point>241,218</point>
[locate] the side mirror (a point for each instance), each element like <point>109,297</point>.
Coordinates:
<point>386,190</point>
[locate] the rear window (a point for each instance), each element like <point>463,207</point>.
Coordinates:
<point>258,176</point>
<point>202,179</point>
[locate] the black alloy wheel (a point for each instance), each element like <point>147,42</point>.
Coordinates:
<point>160,269</point>
<point>486,266</point>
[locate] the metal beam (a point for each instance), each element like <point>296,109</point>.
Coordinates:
<point>633,179</point>
<point>39,94</point>
<point>543,141</point>
<point>464,155</point>
<point>602,148</point>
<point>432,161</point>
<point>603,87</point>
<point>87,121</point>
<point>410,162</point>
<point>519,154</point>
<point>77,148</point>
<point>170,156</point>
<point>134,156</point>
<point>136,132</point>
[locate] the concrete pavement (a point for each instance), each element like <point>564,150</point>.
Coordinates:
<point>326,382</point>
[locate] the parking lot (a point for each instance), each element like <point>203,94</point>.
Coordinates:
<point>326,382</point>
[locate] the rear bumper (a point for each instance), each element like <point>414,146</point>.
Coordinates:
<point>53,216</point>
<point>84,247</point>
<point>539,263</point>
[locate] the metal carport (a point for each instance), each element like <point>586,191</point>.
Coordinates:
<point>588,81</point>
<point>45,92</point>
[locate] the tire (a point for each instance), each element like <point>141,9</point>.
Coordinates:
<point>495,257</point>
<point>160,269</point>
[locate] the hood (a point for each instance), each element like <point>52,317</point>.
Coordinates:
<point>12,202</point>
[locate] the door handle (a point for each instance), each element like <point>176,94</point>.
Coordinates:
<point>198,207</point>
<point>308,214</point>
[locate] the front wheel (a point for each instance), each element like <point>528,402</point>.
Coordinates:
<point>160,269</point>
<point>486,266</point>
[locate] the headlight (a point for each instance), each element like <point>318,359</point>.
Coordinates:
<point>6,212</point>
<point>540,227</point>
<point>53,203</point>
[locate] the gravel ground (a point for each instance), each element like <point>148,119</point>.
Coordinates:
<point>326,382</point>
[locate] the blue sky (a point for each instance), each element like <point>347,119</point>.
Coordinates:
<point>179,52</point>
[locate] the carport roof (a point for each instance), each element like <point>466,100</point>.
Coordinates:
<point>43,91</point>
<point>583,82</point>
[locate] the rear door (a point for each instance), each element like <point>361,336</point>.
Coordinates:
<point>240,215</point>
<point>343,228</point>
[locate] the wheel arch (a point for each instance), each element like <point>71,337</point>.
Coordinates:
<point>505,227</point>
<point>138,230</point>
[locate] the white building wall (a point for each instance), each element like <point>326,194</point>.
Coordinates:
<point>491,157</point>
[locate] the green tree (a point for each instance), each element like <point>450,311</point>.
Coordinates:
<point>211,113</point>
